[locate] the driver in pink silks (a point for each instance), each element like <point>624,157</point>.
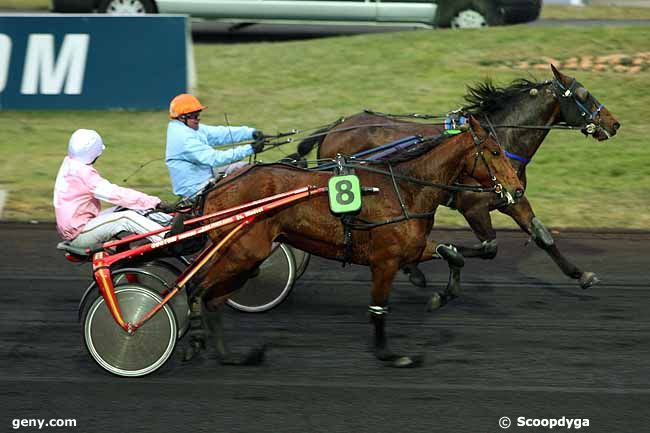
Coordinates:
<point>79,189</point>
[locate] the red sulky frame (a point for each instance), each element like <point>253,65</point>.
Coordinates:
<point>243,214</point>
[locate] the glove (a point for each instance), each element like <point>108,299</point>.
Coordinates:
<point>166,207</point>
<point>258,144</point>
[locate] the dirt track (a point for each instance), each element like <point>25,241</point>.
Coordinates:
<point>522,341</point>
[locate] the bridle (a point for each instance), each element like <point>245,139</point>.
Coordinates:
<point>498,188</point>
<point>569,101</point>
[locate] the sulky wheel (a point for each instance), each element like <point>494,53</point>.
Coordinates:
<point>270,286</point>
<point>140,353</point>
<point>302,261</point>
<point>160,277</point>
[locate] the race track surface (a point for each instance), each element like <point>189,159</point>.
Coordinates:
<point>522,341</point>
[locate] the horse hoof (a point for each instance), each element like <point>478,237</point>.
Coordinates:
<point>588,279</point>
<point>489,249</point>
<point>189,354</point>
<point>435,302</point>
<point>407,361</point>
<point>195,346</point>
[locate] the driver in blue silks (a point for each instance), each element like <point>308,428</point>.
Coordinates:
<point>190,157</point>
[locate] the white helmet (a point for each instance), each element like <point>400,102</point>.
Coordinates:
<point>85,145</point>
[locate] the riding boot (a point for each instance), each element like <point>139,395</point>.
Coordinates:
<point>416,277</point>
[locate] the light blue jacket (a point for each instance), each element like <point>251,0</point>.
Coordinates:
<point>190,157</point>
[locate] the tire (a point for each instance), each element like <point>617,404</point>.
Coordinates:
<point>119,353</point>
<point>159,276</point>
<point>270,286</point>
<point>529,11</point>
<point>302,261</point>
<point>469,14</point>
<point>127,7</point>
<point>77,6</point>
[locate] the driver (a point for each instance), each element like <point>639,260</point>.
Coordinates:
<point>190,157</point>
<point>79,189</point>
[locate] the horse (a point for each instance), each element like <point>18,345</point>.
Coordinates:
<point>521,116</point>
<point>389,231</point>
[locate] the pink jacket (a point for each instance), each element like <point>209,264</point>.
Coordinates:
<point>77,194</point>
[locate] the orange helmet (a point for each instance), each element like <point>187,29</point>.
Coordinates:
<point>184,104</point>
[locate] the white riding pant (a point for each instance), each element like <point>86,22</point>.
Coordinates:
<point>109,223</point>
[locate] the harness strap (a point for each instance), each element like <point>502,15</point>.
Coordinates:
<point>455,187</point>
<point>409,115</point>
<point>368,225</point>
<point>399,196</point>
<point>517,157</point>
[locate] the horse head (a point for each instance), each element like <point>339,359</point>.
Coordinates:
<point>489,165</point>
<point>581,109</point>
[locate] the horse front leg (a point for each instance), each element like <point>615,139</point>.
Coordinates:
<point>382,278</point>
<point>478,217</point>
<point>455,261</point>
<point>523,215</point>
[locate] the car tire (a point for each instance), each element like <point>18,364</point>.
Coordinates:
<point>128,7</point>
<point>75,6</point>
<point>469,14</point>
<point>523,15</point>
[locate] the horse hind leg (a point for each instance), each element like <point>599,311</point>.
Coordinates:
<point>214,323</point>
<point>196,333</point>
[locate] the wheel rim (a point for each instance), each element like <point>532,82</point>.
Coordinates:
<point>302,260</point>
<point>468,19</point>
<point>160,279</point>
<point>138,354</point>
<point>125,7</point>
<point>270,287</point>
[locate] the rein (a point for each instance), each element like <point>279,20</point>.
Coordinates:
<point>363,165</point>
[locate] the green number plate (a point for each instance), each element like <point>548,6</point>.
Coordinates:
<point>345,193</point>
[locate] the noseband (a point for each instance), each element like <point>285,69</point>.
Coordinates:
<point>568,101</point>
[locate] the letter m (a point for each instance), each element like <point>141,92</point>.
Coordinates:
<point>40,65</point>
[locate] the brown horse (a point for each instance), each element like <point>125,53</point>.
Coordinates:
<point>389,231</point>
<point>522,115</point>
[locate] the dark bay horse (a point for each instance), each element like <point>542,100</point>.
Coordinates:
<point>389,231</point>
<point>511,110</point>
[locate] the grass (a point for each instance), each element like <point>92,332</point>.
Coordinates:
<point>594,12</point>
<point>574,181</point>
<point>24,4</point>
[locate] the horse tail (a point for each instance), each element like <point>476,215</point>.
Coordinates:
<point>314,140</point>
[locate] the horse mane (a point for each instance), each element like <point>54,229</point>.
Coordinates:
<point>485,97</point>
